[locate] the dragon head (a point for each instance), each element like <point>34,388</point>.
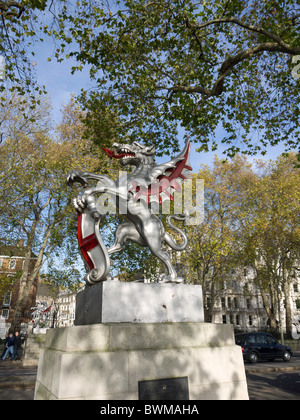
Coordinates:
<point>135,154</point>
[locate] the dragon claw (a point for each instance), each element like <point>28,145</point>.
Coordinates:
<point>168,279</point>
<point>86,201</point>
<point>79,203</point>
<point>76,176</point>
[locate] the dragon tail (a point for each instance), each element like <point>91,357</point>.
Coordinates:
<point>169,240</point>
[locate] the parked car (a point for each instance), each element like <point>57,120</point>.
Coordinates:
<point>262,346</point>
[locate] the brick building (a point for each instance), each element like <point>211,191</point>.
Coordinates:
<point>11,265</point>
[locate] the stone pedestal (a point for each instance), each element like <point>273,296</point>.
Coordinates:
<point>107,361</point>
<point>32,348</point>
<point>114,301</point>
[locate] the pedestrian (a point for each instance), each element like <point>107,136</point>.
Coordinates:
<point>4,348</point>
<point>9,346</point>
<point>17,345</point>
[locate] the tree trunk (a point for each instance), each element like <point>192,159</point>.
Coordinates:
<point>27,278</point>
<point>270,309</point>
<point>288,308</point>
<point>23,296</point>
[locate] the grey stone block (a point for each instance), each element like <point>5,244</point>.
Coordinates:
<point>110,360</point>
<point>114,301</point>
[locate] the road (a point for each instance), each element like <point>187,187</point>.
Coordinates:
<point>276,380</point>
<point>274,386</point>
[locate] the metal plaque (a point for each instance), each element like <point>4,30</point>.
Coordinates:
<point>164,389</point>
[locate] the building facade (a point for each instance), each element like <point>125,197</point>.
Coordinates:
<point>11,265</point>
<point>61,304</point>
<point>65,304</point>
<point>239,302</point>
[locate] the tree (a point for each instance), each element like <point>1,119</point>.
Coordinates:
<point>24,24</point>
<point>35,200</point>
<point>251,220</point>
<point>19,26</point>
<point>214,246</point>
<point>17,9</point>
<point>203,65</point>
<point>271,233</point>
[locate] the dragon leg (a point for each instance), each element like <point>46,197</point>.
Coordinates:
<point>154,242</point>
<point>125,231</point>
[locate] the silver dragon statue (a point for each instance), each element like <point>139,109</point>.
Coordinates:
<point>134,194</point>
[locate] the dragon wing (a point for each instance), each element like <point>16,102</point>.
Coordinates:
<point>164,179</point>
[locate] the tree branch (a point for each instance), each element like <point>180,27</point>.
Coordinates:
<point>9,8</point>
<point>229,64</point>
<point>252,28</point>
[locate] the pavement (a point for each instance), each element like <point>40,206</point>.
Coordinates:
<point>275,386</point>
<point>17,382</point>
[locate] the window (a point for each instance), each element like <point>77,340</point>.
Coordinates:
<point>224,320</point>
<point>235,303</point>
<point>261,339</point>
<point>237,320</point>
<point>12,263</point>
<point>7,299</point>
<point>250,339</point>
<point>4,313</point>
<point>250,321</point>
<point>223,303</point>
<point>229,302</point>
<point>271,340</point>
<point>248,304</point>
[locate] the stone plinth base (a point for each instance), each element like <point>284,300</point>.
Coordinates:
<point>114,301</point>
<point>106,362</point>
<point>32,348</point>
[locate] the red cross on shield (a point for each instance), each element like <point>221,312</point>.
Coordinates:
<point>92,247</point>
